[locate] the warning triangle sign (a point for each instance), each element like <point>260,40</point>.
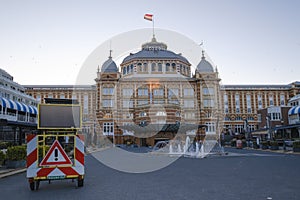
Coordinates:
<point>56,156</point>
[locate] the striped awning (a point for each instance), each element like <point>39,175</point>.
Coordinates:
<point>19,106</point>
<point>294,110</point>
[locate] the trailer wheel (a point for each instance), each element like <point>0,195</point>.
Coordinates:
<point>31,185</point>
<point>37,185</point>
<point>80,182</point>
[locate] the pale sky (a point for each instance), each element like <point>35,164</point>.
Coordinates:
<point>251,42</point>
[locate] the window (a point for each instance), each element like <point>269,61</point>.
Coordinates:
<point>275,116</point>
<point>282,100</point>
<point>153,67</point>
<point>174,67</point>
<point>208,103</point>
<point>108,103</point>
<point>108,128</point>
<point>259,117</point>
<point>159,67</point>
<point>127,91</point>
<point>140,68</point>
<point>142,102</point>
<point>210,127</point>
<point>188,92</point>
<point>248,99</point>
<point>145,67</point>
<point>189,115</point>
<point>108,91</point>
<point>127,103</point>
<point>238,118</point>
<point>161,113</point>
<point>208,91</point>
<point>271,100</point>
<point>237,103</point>
<point>38,98</point>
<point>173,92</point>
<point>158,92</point>
<point>177,114</point>
<point>131,68</point>
<point>85,104</point>
<point>143,114</point>
<point>238,128</point>
<point>143,91</point>
<point>226,103</point>
<point>259,99</point>
<point>168,67</point>
<point>188,104</point>
<point>174,101</point>
<point>160,101</point>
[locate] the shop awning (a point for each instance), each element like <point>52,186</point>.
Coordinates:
<point>294,110</point>
<point>19,106</point>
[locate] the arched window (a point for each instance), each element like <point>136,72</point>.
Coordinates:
<point>159,67</point>
<point>173,67</point>
<point>140,69</point>
<point>145,67</point>
<point>131,68</point>
<point>128,69</point>
<point>143,114</point>
<point>168,68</point>
<point>153,67</point>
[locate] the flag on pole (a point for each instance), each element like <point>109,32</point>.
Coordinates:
<point>148,17</point>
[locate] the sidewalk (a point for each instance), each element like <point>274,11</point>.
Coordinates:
<point>4,172</point>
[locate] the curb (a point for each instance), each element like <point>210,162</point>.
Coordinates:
<point>13,172</point>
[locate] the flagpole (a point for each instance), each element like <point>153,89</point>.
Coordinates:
<point>153,26</point>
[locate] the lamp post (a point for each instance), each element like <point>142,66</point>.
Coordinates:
<point>268,118</point>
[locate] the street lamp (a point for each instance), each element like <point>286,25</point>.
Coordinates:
<point>268,118</point>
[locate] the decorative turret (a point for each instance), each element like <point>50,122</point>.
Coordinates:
<point>109,66</point>
<point>204,65</point>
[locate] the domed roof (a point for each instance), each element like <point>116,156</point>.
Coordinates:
<point>109,66</point>
<point>155,50</point>
<point>204,65</point>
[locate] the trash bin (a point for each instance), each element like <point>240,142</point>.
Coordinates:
<point>239,144</point>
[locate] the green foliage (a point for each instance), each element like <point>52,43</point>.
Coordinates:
<point>5,145</point>
<point>233,142</point>
<point>296,144</point>
<point>264,143</point>
<point>47,147</point>
<point>2,157</point>
<point>16,153</point>
<point>274,143</point>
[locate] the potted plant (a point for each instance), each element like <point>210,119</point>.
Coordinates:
<point>264,144</point>
<point>16,156</point>
<point>274,145</point>
<point>296,146</point>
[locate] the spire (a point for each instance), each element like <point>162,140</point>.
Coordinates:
<point>110,53</point>
<point>110,50</point>
<point>98,69</point>
<point>203,57</point>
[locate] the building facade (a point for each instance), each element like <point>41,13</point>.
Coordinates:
<point>156,93</point>
<point>18,110</point>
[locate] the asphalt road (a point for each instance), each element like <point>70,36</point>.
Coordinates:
<point>242,174</point>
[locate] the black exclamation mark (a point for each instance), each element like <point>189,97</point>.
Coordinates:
<point>56,154</point>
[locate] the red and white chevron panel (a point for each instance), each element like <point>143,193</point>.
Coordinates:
<point>36,171</point>
<point>32,156</point>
